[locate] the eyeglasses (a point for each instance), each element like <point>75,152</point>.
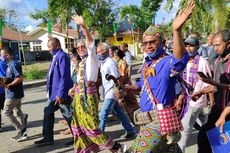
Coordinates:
<point>151,42</point>
<point>83,46</point>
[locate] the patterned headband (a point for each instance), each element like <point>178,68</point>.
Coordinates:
<point>153,31</point>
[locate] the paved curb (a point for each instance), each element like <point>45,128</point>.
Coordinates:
<point>35,83</point>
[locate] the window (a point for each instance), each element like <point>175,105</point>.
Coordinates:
<point>37,48</point>
<point>119,38</point>
<point>37,43</point>
<point>70,43</point>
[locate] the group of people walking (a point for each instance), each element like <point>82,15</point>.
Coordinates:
<point>172,95</point>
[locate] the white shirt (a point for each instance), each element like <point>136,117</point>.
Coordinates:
<point>128,58</point>
<point>205,68</point>
<point>91,64</point>
<point>108,67</point>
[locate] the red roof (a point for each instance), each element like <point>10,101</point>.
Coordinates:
<point>71,32</point>
<point>12,35</point>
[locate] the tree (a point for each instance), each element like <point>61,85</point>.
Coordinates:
<point>44,16</point>
<point>142,16</point>
<point>7,16</point>
<point>100,17</point>
<point>213,14</point>
<point>97,13</point>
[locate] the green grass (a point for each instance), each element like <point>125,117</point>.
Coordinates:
<point>35,71</point>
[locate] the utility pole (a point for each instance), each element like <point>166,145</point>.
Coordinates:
<point>0,32</point>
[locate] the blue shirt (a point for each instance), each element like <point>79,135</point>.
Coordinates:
<point>2,74</point>
<point>203,51</point>
<point>162,85</point>
<point>13,71</point>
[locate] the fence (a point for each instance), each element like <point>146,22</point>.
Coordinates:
<point>32,56</point>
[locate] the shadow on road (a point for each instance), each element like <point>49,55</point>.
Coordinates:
<point>34,101</point>
<point>58,144</point>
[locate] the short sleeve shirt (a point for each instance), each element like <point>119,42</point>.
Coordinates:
<point>163,83</point>
<point>13,71</point>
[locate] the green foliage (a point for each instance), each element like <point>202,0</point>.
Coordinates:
<point>208,16</point>
<point>34,73</point>
<point>98,14</point>
<point>141,16</point>
<point>100,17</point>
<point>44,16</point>
<point>8,16</point>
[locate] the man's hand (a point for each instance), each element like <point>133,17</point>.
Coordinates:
<point>71,92</point>
<point>220,122</point>
<point>183,16</point>
<point>4,86</point>
<point>207,79</point>
<point>78,20</point>
<point>119,94</point>
<point>59,100</point>
<point>196,95</point>
<point>227,57</point>
<point>179,102</point>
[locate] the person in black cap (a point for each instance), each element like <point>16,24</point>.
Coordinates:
<point>196,100</point>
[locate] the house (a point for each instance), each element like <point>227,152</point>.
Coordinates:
<point>17,39</point>
<point>126,34</point>
<point>42,34</point>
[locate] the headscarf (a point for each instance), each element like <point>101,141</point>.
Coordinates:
<point>154,31</point>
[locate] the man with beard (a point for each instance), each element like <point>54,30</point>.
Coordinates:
<point>221,43</point>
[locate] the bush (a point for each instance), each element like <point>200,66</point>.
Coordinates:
<point>34,73</point>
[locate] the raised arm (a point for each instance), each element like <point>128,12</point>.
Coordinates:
<point>80,21</point>
<point>178,44</point>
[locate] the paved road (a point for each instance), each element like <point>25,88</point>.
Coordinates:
<point>33,104</point>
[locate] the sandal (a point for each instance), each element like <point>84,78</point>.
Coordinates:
<point>66,132</point>
<point>63,122</point>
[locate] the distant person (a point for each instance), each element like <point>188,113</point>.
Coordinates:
<point>13,94</point>
<point>127,58</point>
<point>74,63</point>
<point>212,55</point>
<point>2,90</point>
<point>71,53</point>
<point>195,35</point>
<point>58,84</point>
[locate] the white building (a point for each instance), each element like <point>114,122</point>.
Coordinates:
<point>42,34</point>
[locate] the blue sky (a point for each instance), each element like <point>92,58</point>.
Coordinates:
<point>24,7</point>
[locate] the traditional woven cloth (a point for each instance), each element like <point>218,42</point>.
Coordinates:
<point>153,31</point>
<point>193,77</point>
<point>85,121</point>
<point>151,141</point>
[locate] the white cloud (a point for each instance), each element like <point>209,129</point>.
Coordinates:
<point>28,28</point>
<point>9,3</point>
